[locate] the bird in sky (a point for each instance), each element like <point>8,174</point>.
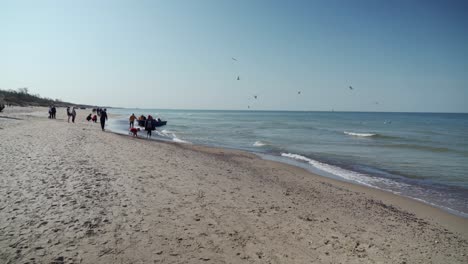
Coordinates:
<point>234,59</point>
<point>298,92</point>
<point>238,78</point>
<point>351,88</point>
<point>255,96</point>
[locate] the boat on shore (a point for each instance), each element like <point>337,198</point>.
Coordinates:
<point>156,123</point>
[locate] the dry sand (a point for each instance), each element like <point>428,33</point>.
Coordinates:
<point>70,193</point>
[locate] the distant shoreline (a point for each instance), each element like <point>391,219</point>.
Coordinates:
<point>299,111</point>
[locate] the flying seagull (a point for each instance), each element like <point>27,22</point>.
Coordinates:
<point>255,96</point>
<point>238,78</point>
<point>298,92</point>
<point>234,59</point>
<point>351,88</point>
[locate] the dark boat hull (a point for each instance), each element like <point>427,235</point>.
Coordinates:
<point>155,124</point>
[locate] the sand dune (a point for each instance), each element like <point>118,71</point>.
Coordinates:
<point>70,193</point>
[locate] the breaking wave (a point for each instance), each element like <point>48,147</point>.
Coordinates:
<point>360,134</point>
<point>259,144</point>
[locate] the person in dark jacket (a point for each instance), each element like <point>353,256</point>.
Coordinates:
<point>103,118</point>
<point>54,111</point>
<point>73,114</point>
<point>149,126</point>
<point>69,114</point>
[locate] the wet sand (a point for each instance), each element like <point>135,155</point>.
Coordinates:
<point>70,193</point>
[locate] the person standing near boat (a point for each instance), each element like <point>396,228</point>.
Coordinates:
<point>132,120</point>
<point>103,118</point>
<point>149,126</point>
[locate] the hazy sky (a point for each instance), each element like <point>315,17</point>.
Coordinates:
<point>406,55</point>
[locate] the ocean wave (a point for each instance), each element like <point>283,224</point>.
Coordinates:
<point>259,144</point>
<point>397,187</point>
<point>348,175</point>
<point>360,134</point>
<point>178,140</point>
<point>171,135</point>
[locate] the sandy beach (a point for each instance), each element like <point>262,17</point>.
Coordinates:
<point>70,193</point>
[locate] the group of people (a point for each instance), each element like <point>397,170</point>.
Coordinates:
<point>91,117</point>
<point>71,114</point>
<point>52,112</point>
<point>102,113</point>
<point>149,124</point>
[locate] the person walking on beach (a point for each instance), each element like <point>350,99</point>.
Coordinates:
<point>103,118</point>
<point>68,113</point>
<point>73,114</point>
<point>54,111</point>
<point>132,120</point>
<point>149,126</point>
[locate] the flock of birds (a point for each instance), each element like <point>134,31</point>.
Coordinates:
<point>298,92</point>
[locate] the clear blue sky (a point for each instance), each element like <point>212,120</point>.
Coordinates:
<point>406,55</point>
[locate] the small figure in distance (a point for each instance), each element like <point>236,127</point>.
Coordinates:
<point>68,113</point>
<point>94,118</point>
<point>73,114</point>
<point>88,118</point>
<point>103,118</point>
<point>54,111</point>
<point>132,120</point>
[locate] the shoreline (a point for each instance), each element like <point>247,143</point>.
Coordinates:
<point>74,193</point>
<point>422,208</point>
<point>310,168</point>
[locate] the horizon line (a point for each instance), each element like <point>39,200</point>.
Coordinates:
<point>280,110</point>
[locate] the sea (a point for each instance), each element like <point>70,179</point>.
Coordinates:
<point>423,156</point>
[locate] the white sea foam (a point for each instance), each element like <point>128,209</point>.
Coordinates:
<point>259,144</point>
<point>359,134</point>
<point>172,136</point>
<point>346,174</point>
<point>176,139</point>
